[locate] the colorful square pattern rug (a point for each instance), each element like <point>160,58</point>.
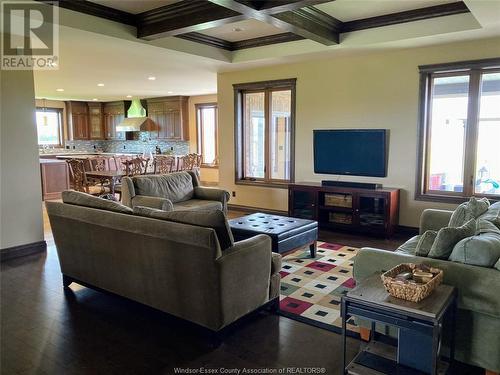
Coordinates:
<point>311,288</point>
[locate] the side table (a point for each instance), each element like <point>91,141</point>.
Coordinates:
<point>420,330</point>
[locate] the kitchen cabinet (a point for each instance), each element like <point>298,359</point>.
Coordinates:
<point>114,114</point>
<point>55,178</point>
<point>172,117</point>
<point>78,119</point>
<point>96,124</point>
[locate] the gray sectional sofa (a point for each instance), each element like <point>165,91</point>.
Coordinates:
<point>174,263</point>
<point>173,191</point>
<point>473,267</point>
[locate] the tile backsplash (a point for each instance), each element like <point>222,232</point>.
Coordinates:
<point>139,145</point>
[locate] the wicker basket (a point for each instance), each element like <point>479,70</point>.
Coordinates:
<point>410,291</point>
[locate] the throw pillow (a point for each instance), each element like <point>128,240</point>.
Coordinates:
<point>425,242</point>
<point>482,249</point>
<point>493,214</point>
<point>468,210</point>
<point>214,219</point>
<point>448,237</point>
<point>83,199</point>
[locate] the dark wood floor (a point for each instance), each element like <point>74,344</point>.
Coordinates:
<point>47,331</point>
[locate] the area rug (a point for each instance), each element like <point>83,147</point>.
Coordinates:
<point>311,288</point>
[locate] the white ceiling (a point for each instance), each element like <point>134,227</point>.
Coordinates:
<point>87,59</point>
<point>246,29</point>
<point>348,10</point>
<point>134,6</point>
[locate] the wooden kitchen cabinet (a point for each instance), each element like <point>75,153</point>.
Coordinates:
<point>96,123</point>
<point>114,114</point>
<point>172,117</point>
<point>78,118</point>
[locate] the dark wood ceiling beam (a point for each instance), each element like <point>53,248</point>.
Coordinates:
<point>280,6</point>
<point>308,22</point>
<point>184,17</point>
<point>449,9</point>
<point>96,10</point>
<point>207,40</point>
<point>241,44</point>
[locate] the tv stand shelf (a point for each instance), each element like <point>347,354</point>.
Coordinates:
<point>369,211</point>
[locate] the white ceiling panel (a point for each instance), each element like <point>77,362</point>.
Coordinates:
<point>247,29</point>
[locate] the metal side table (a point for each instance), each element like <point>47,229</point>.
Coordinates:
<point>420,330</point>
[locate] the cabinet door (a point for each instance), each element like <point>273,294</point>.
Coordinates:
<point>109,126</point>
<point>117,120</point>
<point>302,204</point>
<point>95,124</point>
<point>371,212</point>
<point>80,126</point>
<point>177,130</point>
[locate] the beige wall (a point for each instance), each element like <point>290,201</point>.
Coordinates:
<point>56,104</point>
<point>207,174</point>
<point>370,90</point>
<point>20,190</point>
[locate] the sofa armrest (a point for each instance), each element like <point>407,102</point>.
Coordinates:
<point>477,286</point>
<point>153,202</point>
<point>128,191</point>
<point>245,272</point>
<point>434,219</point>
<point>212,194</point>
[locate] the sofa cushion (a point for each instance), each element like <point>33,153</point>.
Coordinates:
<point>482,249</point>
<point>177,187</point>
<point>448,237</point>
<point>83,199</point>
<point>214,219</point>
<point>275,263</point>
<point>409,247</point>
<point>197,204</point>
<point>493,214</point>
<point>425,242</point>
<point>468,210</point>
<point>497,265</point>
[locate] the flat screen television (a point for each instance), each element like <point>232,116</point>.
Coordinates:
<point>356,152</point>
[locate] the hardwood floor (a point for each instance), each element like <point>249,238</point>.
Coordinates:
<point>47,331</point>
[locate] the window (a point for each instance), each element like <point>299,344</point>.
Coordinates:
<point>48,125</point>
<point>459,131</point>
<point>264,132</point>
<point>206,122</point>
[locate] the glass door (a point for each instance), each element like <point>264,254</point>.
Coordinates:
<point>303,204</point>
<point>371,212</point>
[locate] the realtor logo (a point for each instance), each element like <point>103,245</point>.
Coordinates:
<point>30,35</point>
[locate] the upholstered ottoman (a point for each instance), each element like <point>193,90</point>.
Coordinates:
<point>287,233</point>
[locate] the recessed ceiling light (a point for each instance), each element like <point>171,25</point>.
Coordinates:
<point>95,99</point>
<point>60,90</point>
<point>129,96</point>
<point>151,78</point>
<point>100,84</point>
<point>237,29</point>
<point>170,92</point>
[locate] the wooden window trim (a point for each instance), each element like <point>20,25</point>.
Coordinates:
<point>267,87</point>
<point>60,135</point>
<point>475,69</point>
<point>199,133</point>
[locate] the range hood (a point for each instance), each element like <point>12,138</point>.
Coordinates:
<point>136,120</point>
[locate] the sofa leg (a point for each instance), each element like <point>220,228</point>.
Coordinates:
<point>488,372</point>
<point>364,333</point>
<point>66,281</point>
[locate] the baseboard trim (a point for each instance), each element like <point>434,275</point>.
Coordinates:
<point>251,209</point>
<point>22,250</point>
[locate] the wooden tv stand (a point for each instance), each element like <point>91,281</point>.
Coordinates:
<point>342,208</point>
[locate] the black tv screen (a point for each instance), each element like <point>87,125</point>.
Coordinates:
<point>357,152</point>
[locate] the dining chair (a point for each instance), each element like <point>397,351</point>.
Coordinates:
<point>79,178</point>
<point>136,166</point>
<point>163,164</point>
<point>189,162</point>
